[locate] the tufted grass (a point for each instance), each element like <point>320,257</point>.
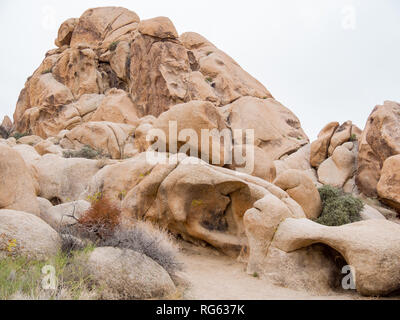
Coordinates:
<point>21,278</point>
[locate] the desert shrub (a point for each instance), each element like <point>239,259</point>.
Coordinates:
<point>70,242</point>
<point>18,135</point>
<point>353,138</point>
<point>101,225</point>
<point>113,46</point>
<point>338,208</point>
<point>21,278</point>
<point>328,192</point>
<point>150,241</point>
<point>86,152</point>
<point>47,71</point>
<point>100,221</point>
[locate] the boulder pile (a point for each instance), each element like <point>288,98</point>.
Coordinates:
<point>87,123</point>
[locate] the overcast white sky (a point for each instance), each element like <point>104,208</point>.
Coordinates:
<point>326,60</point>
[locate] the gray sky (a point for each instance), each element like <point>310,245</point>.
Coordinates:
<point>326,60</point>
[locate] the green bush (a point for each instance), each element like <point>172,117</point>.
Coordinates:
<point>86,152</point>
<point>47,71</point>
<point>113,46</point>
<point>21,278</point>
<point>353,138</point>
<point>18,135</point>
<point>338,208</point>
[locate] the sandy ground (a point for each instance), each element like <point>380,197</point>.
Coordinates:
<point>216,277</point>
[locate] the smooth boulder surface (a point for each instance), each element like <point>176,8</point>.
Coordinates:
<point>389,183</point>
<point>301,189</point>
<point>33,238</point>
<point>64,180</point>
<point>336,170</point>
<point>127,275</point>
<point>380,141</point>
<point>17,187</point>
<point>66,214</point>
<point>320,147</point>
<point>372,247</point>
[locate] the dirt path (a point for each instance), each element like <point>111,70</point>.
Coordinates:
<point>217,277</point>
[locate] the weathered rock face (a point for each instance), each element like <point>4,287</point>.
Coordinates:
<point>301,188</point>
<point>141,277</point>
<point>17,187</point>
<point>117,107</point>
<point>276,129</point>
<point>389,183</point>
<point>339,168</point>
<point>103,25</point>
<point>7,126</point>
<point>261,223</point>
<point>198,201</point>
<point>65,214</point>
<point>319,148</point>
<point>368,246</point>
<point>64,180</point>
<point>33,238</point>
<point>108,137</point>
<point>197,116</point>
<point>333,135</point>
<point>112,67</point>
<point>380,140</point>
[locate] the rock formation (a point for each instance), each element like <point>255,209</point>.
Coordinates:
<point>112,83</point>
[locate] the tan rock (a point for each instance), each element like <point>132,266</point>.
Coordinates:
<point>196,116</point>
<point>336,170</point>
<point>44,205</point>
<point>367,246</point>
<point>261,223</point>
<point>7,124</point>
<point>46,147</point>
<point>142,278</point>
<point>276,130</point>
<point>77,69</point>
<point>370,213</point>
<point>17,188</point>
<point>389,183</point>
<point>116,180</point>
<point>160,27</point>
<point>44,97</point>
<point>108,137</point>
<point>341,136</point>
<point>66,214</point>
<point>64,180</point>
<point>95,25</point>
<point>34,239</point>
<point>380,141</point>
<point>263,166</point>
<point>30,140</point>
<point>120,59</point>
<point>301,189</point>
<point>316,269</point>
<point>118,107</point>
<point>65,32</point>
<point>319,148</point>
<point>351,187</point>
<point>227,79</point>
<point>164,67</point>
<point>300,160</point>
